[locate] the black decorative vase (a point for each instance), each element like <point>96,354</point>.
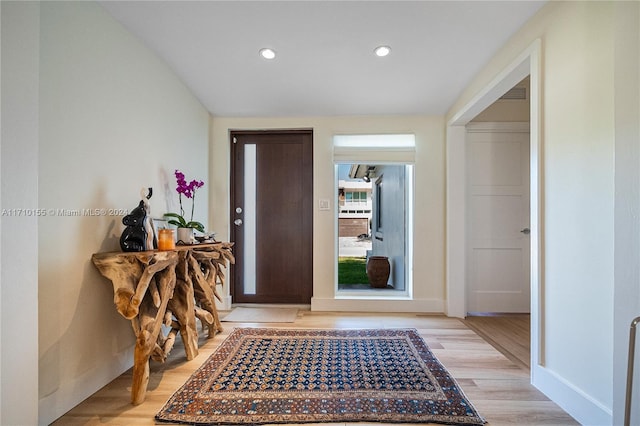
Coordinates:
<point>378,270</point>
<point>134,236</point>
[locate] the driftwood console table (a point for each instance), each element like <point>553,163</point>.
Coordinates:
<point>171,288</point>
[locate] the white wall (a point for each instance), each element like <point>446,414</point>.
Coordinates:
<point>428,295</point>
<point>19,232</point>
<point>113,119</point>
<point>578,200</point>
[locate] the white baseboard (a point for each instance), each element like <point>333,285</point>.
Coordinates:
<point>225,305</point>
<point>582,407</point>
<point>377,305</point>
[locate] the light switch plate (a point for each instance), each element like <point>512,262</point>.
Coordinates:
<point>323,204</point>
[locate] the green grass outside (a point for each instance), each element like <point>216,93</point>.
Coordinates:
<point>352,270</point>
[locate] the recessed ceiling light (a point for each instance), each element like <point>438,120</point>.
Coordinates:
<point>382,50</point>
<point>267,53</point>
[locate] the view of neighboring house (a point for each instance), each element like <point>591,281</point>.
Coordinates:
<point>354,204</point>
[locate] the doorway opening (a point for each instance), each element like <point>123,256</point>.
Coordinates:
<point>528,63</point>
<point>498,237</point>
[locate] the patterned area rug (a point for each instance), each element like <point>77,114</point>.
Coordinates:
<point>261,375</point>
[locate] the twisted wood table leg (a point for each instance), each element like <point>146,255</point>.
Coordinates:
<point>154,287</point>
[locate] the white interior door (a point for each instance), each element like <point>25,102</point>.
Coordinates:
<point>498,246</point>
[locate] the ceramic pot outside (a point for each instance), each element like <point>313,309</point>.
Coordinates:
<point>378,270</point>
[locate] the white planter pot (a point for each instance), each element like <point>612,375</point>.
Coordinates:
<point>185,236</point>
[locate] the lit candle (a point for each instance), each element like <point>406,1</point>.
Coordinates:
<point>166,240</point>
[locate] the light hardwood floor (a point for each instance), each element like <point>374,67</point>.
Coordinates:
<point>497,386</point>
<point>509,333</point>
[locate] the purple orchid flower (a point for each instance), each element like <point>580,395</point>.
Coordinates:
<point>189,191</point>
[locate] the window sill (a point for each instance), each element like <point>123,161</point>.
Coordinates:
<point>373,295</point>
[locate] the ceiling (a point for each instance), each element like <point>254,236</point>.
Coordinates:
<point>325,64</point>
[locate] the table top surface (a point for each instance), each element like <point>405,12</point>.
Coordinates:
<point>181,247</point>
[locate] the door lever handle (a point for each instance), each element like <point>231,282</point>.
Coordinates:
<point>526,231</point>
<point>238,222</point>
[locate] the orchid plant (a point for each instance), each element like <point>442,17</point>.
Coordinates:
<point>189,191</point>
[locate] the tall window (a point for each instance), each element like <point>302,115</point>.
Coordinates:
<point>361,160</point>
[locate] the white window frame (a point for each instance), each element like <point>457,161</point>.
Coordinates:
<point>392,149</point>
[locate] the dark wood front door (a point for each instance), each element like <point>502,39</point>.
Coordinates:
<point>272,216</point>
